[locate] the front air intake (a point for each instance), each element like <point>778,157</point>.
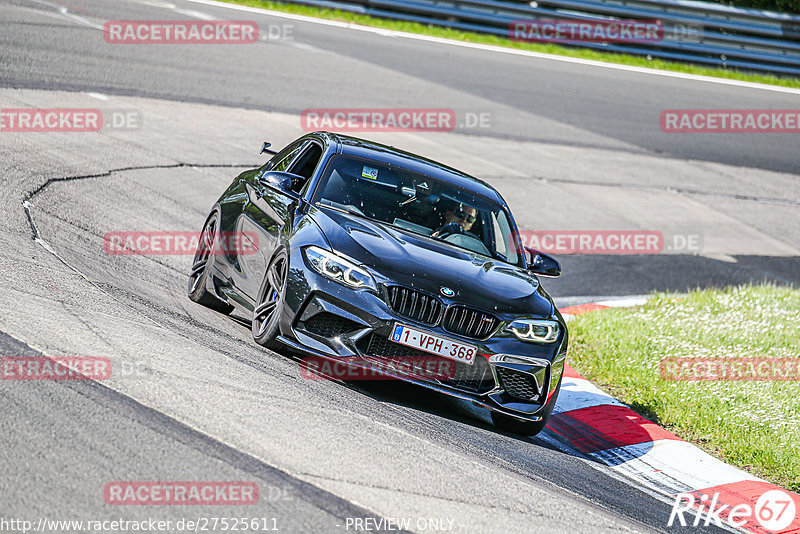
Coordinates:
<point>415,305</point>
<point>468,322</point>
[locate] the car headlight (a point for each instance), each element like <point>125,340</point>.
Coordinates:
<point>339,269</point>
<point>535,330</point>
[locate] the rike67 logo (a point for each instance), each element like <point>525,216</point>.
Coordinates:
<point>774,511</point>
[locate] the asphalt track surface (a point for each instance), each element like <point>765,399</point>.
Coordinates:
<point>571,146</point>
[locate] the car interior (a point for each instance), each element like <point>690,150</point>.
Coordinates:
<point>403,199</point>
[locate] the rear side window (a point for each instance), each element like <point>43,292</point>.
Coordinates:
<point>285,157</point>
<point>307,162</point>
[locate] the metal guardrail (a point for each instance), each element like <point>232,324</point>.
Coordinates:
<point>693,31</point>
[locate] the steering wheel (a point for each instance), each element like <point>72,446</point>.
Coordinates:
<point>448,230</point>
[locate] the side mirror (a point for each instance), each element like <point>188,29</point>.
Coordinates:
<point>282,181</point>
<point>266,148</point>
<point>543,264</point>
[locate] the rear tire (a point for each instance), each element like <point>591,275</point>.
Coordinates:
<point>526,428</point>
<point>201,267</point>
<point>267,312</point>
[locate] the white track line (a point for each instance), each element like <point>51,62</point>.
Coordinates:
<point>502,50</point>
<point>623,302</point>
<point>64,13</point>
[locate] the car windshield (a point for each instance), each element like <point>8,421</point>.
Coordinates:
<point>417,203</point>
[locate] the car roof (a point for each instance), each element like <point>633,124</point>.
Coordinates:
<point>353,146</point>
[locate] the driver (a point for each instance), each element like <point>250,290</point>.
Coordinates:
<point>458,219</point>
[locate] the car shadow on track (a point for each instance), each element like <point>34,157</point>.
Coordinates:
<point>459,426</point>
<point>563,434</point>
<point>417,398</point>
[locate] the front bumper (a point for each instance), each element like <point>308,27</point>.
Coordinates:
<point>325,319</point>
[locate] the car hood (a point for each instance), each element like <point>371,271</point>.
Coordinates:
<point>428,265</point>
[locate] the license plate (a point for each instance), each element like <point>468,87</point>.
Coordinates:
<point>446,348</point>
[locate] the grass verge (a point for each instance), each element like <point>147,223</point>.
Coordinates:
<point>754,425</point>
<point>471,37</point>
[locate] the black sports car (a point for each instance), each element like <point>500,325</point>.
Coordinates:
<point>365,254</point>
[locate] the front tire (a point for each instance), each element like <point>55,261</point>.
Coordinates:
<point>201,267</point>
<point>526,428</point>
<point>267,312</point>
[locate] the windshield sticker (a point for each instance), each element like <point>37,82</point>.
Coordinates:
<point>369,172</point>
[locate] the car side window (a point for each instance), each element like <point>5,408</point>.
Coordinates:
<point>285,157</point>
<point>305,165</point>
<point>503,237</point>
